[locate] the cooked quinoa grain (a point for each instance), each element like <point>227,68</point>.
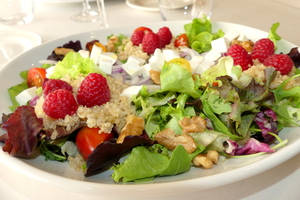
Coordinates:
<point>106,116</point>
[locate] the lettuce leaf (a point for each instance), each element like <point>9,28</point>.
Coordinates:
<point>147,163</point>
<point>74,64</point>
<point>199,33</point>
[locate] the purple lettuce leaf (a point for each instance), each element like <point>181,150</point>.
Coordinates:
<point>295,56</point>
<point>76,46</point>
<point>267,121</point>
<point>107,153</point>
<point>22,128</point>
<point>252,146</point>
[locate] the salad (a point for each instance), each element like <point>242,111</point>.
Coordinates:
<point>168,102</point>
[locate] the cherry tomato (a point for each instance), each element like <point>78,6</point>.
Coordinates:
<point>36,77</point>
<point>181,40</point>
<point>145,29</point>
<point>88,139</point>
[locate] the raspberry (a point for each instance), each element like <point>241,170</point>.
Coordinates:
<point>240,56</point>
<point>50,85</point>
<point>281,62</point>
<point>165,36</point>
<point>150,42</point>
<point>262,49</point>
<point>60,103</point>
<point>93,91</point>
<point>137,37</point>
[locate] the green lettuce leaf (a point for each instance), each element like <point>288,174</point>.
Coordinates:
<point>74,64</point>
<point>199,33</point>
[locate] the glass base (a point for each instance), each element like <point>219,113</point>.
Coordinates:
<point>87,16</point>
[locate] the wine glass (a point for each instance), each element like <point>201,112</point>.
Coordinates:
<point>90,15</point>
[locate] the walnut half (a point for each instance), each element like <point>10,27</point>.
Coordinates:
<point>134,126</point>
<point>192,125</point>
<point>170,140</point>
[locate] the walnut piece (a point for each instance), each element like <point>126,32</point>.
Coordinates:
<point>192,125</point>
<point>207,160</point>
<point>134,126</point>
<point>111,44</point>
<point>62,51</point>
<point>155,76</point>
<point>170,140</point>
<point>247,45</point>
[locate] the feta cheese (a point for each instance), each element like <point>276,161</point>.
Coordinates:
<point>221,44</point>
<point>132,90</point>
<point>204,65</point>
<point>49,71</point>
<point>96,53</point>
<point>157,60</point>
<point>231,35</point>
<point>26,95</point>
<point>145,70</point>
<point>84,53</point>
<point>170,54</point>
<point>106,61</point>
<point>213,55</point>
<point>132,66</point>
<point>242,38</point>
<point>195,62</point>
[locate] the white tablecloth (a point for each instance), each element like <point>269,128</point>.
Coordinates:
<point>51,21</point>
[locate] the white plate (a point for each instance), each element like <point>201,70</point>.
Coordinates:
<point>14,42</point>
<point>146,5</point>
<point>62,1</point>
<point>65,178</point>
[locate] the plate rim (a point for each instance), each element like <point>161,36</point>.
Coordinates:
<point>141,187</point>
<point>132,4</point>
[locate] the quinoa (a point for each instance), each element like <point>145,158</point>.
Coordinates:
<point>129,49</point>
<point>105,117</point>
<point>257,71</point>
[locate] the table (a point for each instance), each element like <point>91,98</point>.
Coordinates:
<point>52,21</point>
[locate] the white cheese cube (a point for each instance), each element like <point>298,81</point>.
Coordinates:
<point>204,65</point>
<point>157,60</point>
<point>195,62</point>
<point>109,56</point>
<point>136,59</point>
<point>145,70</point>
<point>96,53</point>
<point>26,95</point>
<point>170,54</point>
<point>231,35</point>
<point>132,90</point>
<point>84,53</point>
<point>105,65</point>
<point>242,38</point>
<point>49,71</point>
<point>213,55</point>
<point>132,68</point>
<point>220,44</point>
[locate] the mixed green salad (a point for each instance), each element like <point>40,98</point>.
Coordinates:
<point>192,112</point>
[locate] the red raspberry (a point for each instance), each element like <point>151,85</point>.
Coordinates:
<point>93,91</point>
<point>137,37</point>
<point>240,56</point>
<point>165,36</point>
<point>50,85</point>
<point>262,49</point>
<point>150,42</point>
<point>281,62</point>
<point>60,103</point>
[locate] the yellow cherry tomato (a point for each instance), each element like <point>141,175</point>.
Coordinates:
<point>182,62</point>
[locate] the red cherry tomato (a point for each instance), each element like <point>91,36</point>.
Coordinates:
<point>145,29</point>
<point>88,139</point>
<point>181,40</point>
<point>36,77</point>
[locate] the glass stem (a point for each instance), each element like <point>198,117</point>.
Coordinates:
<point>86,6</point>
